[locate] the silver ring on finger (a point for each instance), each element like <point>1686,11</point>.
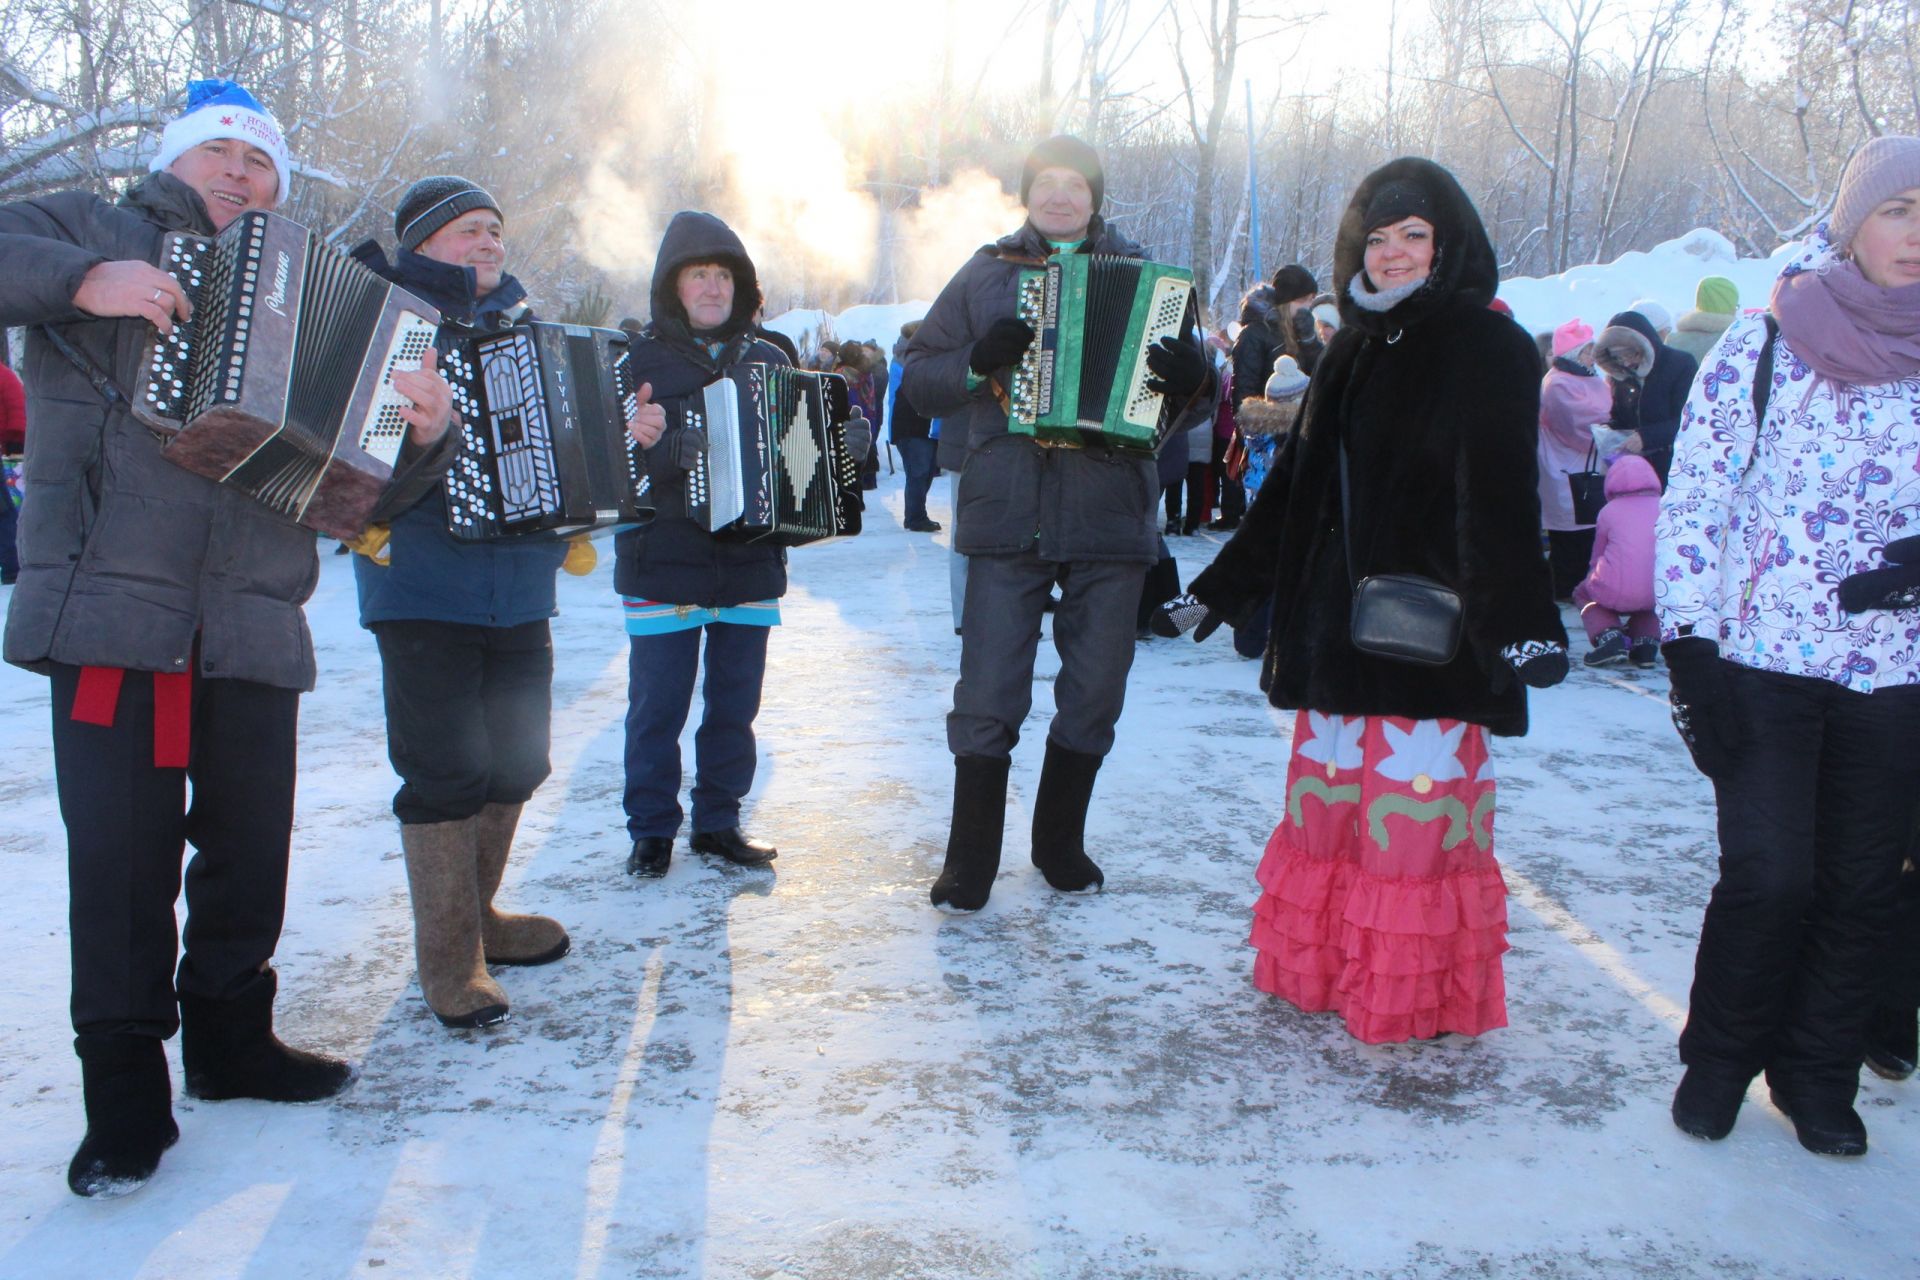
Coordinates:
<point>159,294</point>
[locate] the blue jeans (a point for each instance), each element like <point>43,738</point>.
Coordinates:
<point>916,459</point>
<point>660,671</point>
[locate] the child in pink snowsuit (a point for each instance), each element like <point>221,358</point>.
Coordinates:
<point>1616,598</point>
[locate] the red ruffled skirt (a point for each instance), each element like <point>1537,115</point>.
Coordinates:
<point>1381,899</point>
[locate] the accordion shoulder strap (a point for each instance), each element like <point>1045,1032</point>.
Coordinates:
<point>102,382</point>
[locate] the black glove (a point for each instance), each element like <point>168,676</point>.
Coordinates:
<point>1704,710</point>
<point>1540,664</point>
<point>1004,342</point>
<point>1179,368</point>
<point>1897,586</point>
<point>1182,614</point>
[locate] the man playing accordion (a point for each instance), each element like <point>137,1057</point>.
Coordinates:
<point>167,610</point>
<point>466,656</point>
<point>1029,518</point>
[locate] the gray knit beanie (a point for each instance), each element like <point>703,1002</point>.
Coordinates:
<point>1884,167</point>
<point>432,203</point>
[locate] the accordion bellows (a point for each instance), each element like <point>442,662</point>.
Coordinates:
<point>775,466</point>
<point>280,384</point>
<point>1084,377</point>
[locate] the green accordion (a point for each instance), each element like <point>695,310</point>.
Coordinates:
<point>1084,377</point>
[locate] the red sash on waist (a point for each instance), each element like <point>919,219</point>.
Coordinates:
<point>98,697</point>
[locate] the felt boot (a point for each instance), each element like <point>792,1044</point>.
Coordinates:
<point>506,937</point>
<point>129,1100</point>
<point>1060,820</point>
<point>973,839</point>
<point>1707,1103</point>
<point>444,883</point>
<point>228,1050</point>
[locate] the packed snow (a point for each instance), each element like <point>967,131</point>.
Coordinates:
<point>810,1073</point>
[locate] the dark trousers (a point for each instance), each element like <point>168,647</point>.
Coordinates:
<point>916,459</point>
<point>468,714</point>
<point>660,671</point>
<point>1233,494</point>
<point>1198,507</point>
<point>9,530</point>
<point>128,823</point>
<point>1092,630</point>
<point>1815,815</point>
<point>1568,555</point>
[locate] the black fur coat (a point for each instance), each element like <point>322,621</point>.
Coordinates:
<point>1437,402</point>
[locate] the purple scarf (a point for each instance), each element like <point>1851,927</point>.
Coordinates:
<point>1847,328</point>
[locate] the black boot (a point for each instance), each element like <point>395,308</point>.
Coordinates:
<point>228,1050</point>
<point>1060,820</point>
<point>1826,1126</point>
<point>1707,1103</point>
<point>1893,1042</point>
<point>973,840</point>
<point>129,1100</point>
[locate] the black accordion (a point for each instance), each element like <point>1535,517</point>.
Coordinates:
<point>281,383</point>
<point>775,465</point>
<point>544,444</point>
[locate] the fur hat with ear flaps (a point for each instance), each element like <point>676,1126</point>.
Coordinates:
<point>1463,263</point>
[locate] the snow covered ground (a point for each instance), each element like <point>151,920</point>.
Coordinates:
<point>813,1074</point>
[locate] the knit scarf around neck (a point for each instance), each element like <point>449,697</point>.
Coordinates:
<point>1847,328</point>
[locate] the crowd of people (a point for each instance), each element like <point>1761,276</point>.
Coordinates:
<point>1413,485</point>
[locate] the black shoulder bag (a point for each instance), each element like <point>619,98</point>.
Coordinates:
<point>1401,616</point>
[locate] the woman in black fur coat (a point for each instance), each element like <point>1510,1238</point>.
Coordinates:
<point>1382,899</point>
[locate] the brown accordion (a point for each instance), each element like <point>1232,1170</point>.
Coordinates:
<point>281,385</point>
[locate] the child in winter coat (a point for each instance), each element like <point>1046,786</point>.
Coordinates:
<point>1616,597</point>
<point>1572,398</point>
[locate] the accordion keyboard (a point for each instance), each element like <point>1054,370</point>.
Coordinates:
<point>221,282</point>
<point>1166,318</point>
<point>386,431</point>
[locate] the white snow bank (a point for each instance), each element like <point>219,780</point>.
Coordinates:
<point>864,323</point>
<point>1668,273</point>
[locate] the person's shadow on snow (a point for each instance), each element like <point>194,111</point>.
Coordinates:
<point>583,1121</point>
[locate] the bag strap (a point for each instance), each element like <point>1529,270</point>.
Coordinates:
<point>1763,373</point>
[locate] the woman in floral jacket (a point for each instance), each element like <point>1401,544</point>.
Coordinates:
<point>1805,717</point>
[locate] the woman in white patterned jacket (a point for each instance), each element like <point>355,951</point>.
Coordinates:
<point>1806,717</point>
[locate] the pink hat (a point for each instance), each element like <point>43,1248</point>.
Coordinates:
<point>1571,336</point>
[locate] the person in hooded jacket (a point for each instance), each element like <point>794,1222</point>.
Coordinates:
<point>1029,517</point>
<point>1616,596</point>
<point>680,585</point>
<point>1573,397</point>
<point>1373,905</point>
<point>1788,613</point>
<point>466,653</point>
<point>1651,408</point>
<point>166,609</point>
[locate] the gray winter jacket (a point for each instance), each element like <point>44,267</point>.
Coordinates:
<point>1068,504</point>
<point>125,558</point>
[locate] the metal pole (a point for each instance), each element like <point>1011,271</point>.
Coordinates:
<point>1254,261</point>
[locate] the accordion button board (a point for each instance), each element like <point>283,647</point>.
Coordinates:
<point>544,444</point>
<point>1083,379</point>
<point>775,465</point>
<point>281,383</point>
